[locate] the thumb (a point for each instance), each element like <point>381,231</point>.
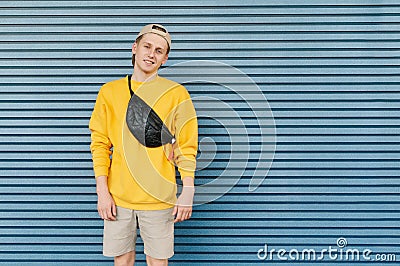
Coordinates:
<point>175,210</point>
<point>114,209</point>
<point>171,155</point>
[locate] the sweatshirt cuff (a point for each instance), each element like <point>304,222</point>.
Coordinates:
<point>185,173</point>
<point>101,170</point>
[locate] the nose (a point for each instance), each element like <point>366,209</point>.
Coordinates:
<point>151,53</point>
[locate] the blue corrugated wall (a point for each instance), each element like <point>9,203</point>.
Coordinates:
<point>329,69</point>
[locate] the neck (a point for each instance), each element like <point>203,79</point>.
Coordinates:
<point>142,77</point>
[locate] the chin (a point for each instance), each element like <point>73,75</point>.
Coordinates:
<point>151,69</point>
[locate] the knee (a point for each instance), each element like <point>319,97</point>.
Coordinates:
<point>156,262</point>
<point>127,259</point>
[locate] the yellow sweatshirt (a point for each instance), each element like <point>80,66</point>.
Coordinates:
<point>143,178</point>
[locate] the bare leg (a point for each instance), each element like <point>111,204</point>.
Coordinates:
<point>156,262</point>
<point>127,259</point>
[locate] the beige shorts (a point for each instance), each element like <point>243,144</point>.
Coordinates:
<point>156,231</point>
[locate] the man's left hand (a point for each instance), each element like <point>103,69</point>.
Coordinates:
<point>183,207</point>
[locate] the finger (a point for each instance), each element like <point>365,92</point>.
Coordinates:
<point>110,215</point>
<point>188,214</point>
<point>184,213</point>
<point>184,217</point>
<point>108,212</point>
<point>177,219</point>
<point>178,215</point>
<point>103,215</point>
<point>171,155</point>
<point>114,209</point>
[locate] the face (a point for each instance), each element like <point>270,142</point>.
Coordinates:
<point>151,53</point>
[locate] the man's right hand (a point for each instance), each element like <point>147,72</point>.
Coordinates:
<point>105,203</point>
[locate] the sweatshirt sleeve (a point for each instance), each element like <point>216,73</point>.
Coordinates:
<point>101,145</point>
<point>186,136</point>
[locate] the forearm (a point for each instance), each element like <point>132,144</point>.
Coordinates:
<point>187,194</point>
<point>183,207</point>
<point>188,181</point>
<point>105,203</point>
<point>101,184</point>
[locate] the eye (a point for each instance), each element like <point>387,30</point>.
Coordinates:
<point>159,51</point>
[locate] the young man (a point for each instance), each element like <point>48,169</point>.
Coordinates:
<point>137,187</point>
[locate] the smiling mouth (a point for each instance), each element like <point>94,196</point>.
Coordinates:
<point>148,62</point>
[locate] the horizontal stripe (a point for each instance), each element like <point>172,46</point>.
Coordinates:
<point>314,83</point>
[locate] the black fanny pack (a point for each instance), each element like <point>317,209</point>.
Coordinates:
<point>145,124</point>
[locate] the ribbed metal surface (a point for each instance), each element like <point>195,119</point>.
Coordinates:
<point>330,72</point>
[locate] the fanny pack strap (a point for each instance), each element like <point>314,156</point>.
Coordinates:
<point>129,84</point>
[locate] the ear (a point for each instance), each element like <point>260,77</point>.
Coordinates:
<point>165,59</point>
<point>134,47</point>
